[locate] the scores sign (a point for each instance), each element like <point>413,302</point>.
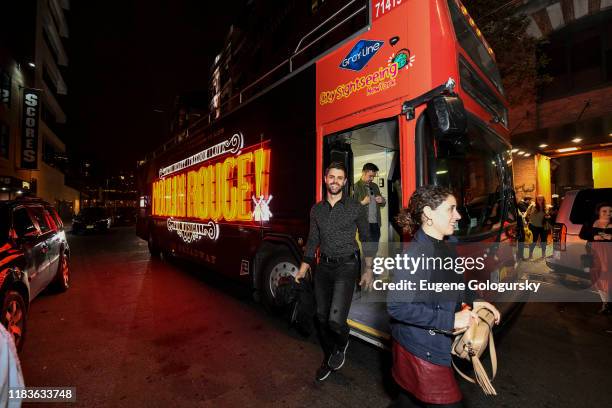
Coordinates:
<point>231,186</point>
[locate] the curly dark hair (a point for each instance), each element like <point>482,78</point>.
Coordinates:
<point>411,218</point>
<point>599,206</point>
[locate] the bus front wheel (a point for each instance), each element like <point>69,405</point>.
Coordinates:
<point>279,270</point>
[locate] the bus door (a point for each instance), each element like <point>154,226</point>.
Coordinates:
<point>376,143</point>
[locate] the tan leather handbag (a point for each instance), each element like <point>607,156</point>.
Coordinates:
<point>471,343</point>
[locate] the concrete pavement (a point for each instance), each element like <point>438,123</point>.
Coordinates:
<point>132,331</point>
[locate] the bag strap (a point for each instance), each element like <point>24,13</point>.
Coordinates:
<point>482,377</point>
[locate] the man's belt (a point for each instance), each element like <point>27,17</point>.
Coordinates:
<point>338,259</point>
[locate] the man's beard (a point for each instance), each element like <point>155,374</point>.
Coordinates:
<point>329,188</point>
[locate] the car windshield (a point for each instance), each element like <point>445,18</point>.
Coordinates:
<point>93,212</point>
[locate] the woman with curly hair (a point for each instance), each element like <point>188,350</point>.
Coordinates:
<point>422,326</point>
<point>599,237</point>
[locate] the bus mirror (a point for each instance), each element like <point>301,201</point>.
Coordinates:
<point>447,115</point>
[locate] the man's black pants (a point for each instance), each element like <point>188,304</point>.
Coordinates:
<point>334,284</point>
<point>374,235</point>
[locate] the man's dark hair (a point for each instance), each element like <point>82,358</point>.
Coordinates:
<point>370,167</point>
<point>336,165</point>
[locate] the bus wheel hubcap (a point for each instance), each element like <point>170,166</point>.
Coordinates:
<point>281,272</point>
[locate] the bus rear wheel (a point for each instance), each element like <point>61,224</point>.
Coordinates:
<point>153,249</point>
<point>279,270</point>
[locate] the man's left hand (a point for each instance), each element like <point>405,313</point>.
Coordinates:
<point>367,279</point>
<point>379,199</point>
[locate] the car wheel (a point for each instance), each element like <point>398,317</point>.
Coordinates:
<point>153,249</point>
<point>14,317</point>
<point>279,270</point>
<point>62,276</point>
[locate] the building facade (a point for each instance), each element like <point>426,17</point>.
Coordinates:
<point>33,68</point>
<point>562,139</point>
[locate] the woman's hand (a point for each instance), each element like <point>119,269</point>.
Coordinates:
<point>465,318</point>
<point>481,304</point>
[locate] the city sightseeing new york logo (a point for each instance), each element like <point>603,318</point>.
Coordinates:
<point>361,54</point>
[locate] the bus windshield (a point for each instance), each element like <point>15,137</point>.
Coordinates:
<point>471,167</point>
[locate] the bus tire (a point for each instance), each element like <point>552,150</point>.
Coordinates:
<point>153,249</point>
<point>279,269</point>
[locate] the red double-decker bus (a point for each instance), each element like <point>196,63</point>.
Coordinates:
<point>416,92</point>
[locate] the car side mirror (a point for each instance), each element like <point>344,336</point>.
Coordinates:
<point>447,115</point>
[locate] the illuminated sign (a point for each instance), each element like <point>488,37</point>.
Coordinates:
<point>29,129</point>
<point>231,145</point>
<point>193,231</point>
<point>361,54</point>
<point>230,189</point>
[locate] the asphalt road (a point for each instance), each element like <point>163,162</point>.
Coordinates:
<point>133,332</point>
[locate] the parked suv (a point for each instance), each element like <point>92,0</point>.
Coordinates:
<point>34,254</point>
<point>570,251</point>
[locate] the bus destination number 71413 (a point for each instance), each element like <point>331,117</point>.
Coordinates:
<point>384,6</point>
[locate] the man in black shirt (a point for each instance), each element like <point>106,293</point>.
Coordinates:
<point>333,223</point>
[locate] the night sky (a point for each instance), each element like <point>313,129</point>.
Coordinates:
<point>128,58</point>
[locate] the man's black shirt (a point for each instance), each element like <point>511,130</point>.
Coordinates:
<point>333,229</point>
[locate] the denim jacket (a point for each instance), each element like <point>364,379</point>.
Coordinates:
<point>411,318</point>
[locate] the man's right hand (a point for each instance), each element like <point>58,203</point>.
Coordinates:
<point>366,200</point>
<point>302,272</point>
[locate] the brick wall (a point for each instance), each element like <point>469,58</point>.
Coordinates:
<point>525,176</point>
<point>531,116</point>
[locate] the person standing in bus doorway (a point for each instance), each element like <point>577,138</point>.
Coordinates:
<point>368,194</point>
<point>333,224</point>
<point>422,324</point>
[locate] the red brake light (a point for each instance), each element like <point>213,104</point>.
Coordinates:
<point>559,236</point>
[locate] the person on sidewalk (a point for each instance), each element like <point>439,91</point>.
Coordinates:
<point>599,237</point>
<point>368,194</point>
<point>333,224</point>
<point>422,323</point>
<point>11,376</point>
<point>539,224</point>
<point>522,207</point>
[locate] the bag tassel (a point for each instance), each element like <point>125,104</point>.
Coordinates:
<point>482,378</point>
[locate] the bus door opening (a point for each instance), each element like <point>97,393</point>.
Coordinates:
<point>377,143</point>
